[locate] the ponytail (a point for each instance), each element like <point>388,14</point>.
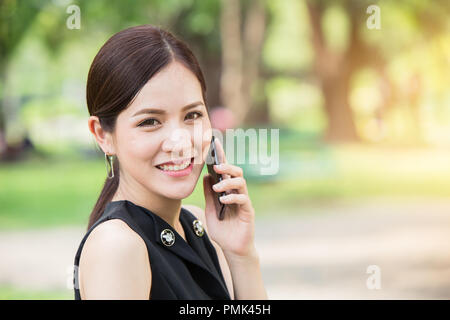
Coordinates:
<point>106,195</point>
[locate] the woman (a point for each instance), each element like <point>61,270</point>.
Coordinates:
<point>144,87</point>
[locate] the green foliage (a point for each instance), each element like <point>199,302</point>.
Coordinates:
<point>287,46</point>
<point>336,27</point>
<point>296,104</point>
<point>15,18</point>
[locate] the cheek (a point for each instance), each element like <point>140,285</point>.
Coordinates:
<point>138,147</point>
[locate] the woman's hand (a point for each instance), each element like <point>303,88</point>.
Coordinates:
<point>235,233</point>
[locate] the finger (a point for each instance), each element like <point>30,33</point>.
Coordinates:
<point>226,176</point>
<point>234,198</point>
<point>243,200</point>
<point>237,183</point>
<point>226,168</point>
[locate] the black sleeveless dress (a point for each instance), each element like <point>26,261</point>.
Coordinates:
<point>184,270</point>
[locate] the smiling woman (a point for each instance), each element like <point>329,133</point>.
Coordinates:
<point>147,101</point>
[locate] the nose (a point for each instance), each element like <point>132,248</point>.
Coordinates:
<point>178,144</point>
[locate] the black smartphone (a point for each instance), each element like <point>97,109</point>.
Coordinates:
<point>212,159</point>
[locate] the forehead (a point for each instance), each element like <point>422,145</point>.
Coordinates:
<point>171,88</point>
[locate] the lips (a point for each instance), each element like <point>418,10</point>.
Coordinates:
<point>177,171</point>
<point>175,165</point>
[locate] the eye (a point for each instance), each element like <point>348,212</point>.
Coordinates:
<point>147,122</point>
<point>194,115</point>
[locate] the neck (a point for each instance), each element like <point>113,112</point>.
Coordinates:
<point>166,208</point>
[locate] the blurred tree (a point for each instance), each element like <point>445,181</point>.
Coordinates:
<point>12,30</point>
<point>334,67</point>
<point>241,53</point>
<point>199,27</point>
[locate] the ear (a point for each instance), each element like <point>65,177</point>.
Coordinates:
<point>103,138</point>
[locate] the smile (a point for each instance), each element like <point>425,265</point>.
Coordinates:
<point>177,170</point>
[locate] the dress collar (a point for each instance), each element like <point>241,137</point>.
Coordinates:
<point>192,250</point>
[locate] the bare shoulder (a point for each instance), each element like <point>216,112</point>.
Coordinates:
<point>115,236</point>
<point>114,263</point>
<point>199,213</point>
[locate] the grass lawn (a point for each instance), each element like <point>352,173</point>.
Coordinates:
<point>52,193</point>
<point>10,293</point>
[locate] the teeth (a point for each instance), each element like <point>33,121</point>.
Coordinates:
<point>175,167</point>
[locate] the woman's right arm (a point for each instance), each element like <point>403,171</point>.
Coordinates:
<point>114,264</point>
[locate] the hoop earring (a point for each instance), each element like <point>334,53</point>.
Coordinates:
<point>109,166</point>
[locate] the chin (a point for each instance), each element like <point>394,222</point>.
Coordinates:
<point>178,192</point>
<point>177,195</point>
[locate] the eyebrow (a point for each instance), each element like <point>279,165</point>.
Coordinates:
<point>162,111</point>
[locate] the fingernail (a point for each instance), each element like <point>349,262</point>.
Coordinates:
<point>219,166</point>
<point>216,186</point>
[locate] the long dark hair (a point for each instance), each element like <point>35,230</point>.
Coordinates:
<point>124,64</point>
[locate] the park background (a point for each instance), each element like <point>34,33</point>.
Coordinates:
<point>358,89</point>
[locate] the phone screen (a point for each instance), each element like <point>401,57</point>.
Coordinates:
<point>213,159</point>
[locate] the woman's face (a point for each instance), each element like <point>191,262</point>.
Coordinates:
<point>179,129</point>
